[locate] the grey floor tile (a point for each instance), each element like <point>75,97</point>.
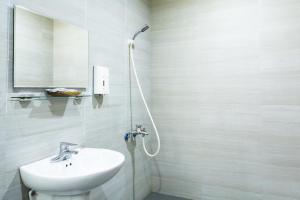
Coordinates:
<point>156,196</point>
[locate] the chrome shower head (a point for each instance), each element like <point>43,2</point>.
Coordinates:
<point>146,27</point>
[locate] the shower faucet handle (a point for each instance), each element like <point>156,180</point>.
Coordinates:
<point>138,126</point>
<point>140,130</point>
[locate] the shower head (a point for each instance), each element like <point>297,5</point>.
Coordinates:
<point>146,27</point>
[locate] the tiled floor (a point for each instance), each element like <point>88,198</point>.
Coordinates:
<point>156,196</point>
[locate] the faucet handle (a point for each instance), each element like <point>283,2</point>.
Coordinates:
<point>138,126</point>
<point>66,145</point>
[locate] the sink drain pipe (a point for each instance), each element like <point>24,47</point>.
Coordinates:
<point>31,194</point>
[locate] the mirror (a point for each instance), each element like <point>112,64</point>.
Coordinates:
<point>48,53</point>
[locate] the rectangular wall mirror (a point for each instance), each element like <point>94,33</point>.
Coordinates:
<point>48,53</point>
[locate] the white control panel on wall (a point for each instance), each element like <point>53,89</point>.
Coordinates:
<point>101,80</point>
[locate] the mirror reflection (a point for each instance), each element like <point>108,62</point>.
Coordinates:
<point>48,52</point>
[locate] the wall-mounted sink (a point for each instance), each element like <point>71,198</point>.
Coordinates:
<point>78,175</point>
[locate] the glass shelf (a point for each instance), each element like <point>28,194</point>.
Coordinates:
<point>27,98</point>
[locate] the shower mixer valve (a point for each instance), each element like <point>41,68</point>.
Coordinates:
<point>140,130</point>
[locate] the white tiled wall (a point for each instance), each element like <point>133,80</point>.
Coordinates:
<point>32,131</point>
<point>226,97</point>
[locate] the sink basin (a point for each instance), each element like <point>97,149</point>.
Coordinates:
<point>86,170</point>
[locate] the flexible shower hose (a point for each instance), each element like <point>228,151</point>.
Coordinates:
<point>131,45</point>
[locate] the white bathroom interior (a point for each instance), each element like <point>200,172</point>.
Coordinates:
<point>149,99</point>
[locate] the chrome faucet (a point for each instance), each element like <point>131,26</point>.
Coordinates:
<point>138,131</point>
<point>65,152</point>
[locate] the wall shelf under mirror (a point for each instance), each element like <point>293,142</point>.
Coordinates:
<point>27,98</point>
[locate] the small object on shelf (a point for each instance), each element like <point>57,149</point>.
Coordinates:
<point>63,92</point>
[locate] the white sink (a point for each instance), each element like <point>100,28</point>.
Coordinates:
<point>83,172</point>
